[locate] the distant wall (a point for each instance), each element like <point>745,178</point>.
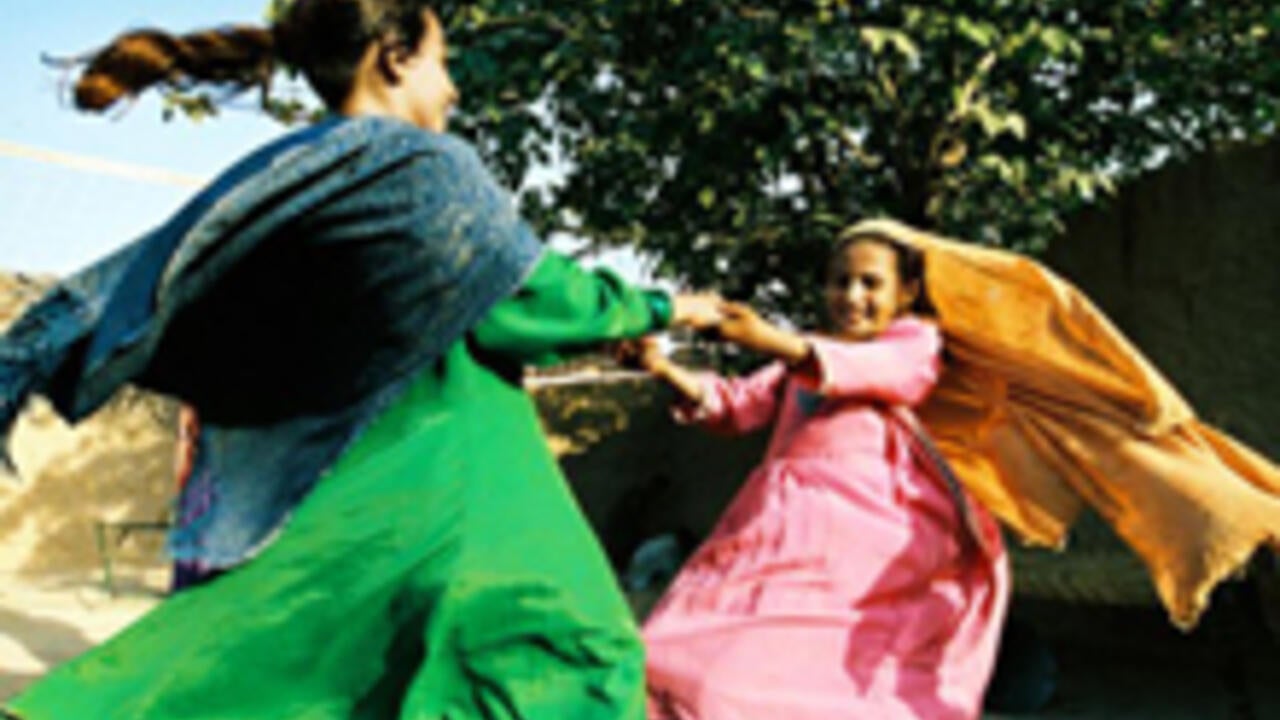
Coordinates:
<point>637,473</point>
<point>1187,262</point>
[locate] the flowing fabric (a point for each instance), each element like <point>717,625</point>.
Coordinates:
<point>1045,408</point>
<point>440,570</point>
<point>348,311</point>
<point>288,302</point>
<point>840,583</point>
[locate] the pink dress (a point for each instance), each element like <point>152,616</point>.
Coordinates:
<point>840,583</point>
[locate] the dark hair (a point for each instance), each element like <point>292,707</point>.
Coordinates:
<point>324,39</point>
<point>911,266</point>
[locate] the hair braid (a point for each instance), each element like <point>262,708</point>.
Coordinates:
<point>240,56</point>
<point>325,39</point>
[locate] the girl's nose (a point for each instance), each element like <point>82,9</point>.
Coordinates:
<point>855,293</point>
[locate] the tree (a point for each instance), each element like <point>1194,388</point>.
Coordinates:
<point>731,138</point>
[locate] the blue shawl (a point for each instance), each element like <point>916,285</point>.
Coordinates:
<point>288,302</point>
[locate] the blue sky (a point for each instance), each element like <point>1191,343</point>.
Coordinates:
<point>57,210</point>
<point>55,218</point>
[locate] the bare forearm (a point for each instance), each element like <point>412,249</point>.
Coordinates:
<point>684,382</point>
<point>743,326</point>
<point>787,346</point>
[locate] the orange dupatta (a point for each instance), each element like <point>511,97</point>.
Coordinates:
<point>1045,407</point>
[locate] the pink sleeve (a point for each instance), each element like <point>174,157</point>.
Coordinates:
<point>899,367</point>
<point>737,405</point>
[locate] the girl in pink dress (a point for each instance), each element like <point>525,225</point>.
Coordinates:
<point>851,577</point>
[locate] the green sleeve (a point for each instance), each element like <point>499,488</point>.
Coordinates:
<point>562,309</point>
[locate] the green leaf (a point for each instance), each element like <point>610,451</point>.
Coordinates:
<point>706,121</point>
<point>878,38</point>
<point>1059,42</point>
<point>1015,125</point>
<point>707,197</point>
<point>979,33</point>
<point>762,124</point>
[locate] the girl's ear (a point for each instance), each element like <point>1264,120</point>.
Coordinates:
<point>392,60</point>
<point>907,296</point>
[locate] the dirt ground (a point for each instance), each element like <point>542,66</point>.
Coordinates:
<point>47,620</point>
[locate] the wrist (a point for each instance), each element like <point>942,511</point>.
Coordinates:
<point>660,366</point>
<point>782,344</point>
<point>679,309</point>
<point>791,348</point>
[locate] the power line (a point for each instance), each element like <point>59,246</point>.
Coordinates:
<point>99,166</point>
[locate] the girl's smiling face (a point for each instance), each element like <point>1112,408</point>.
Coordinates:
<point>864,291</point>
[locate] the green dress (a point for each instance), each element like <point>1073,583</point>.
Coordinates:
<point>441,569</point>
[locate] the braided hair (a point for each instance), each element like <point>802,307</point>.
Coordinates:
<point>324,39</point>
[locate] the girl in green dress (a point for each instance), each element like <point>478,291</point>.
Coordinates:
<point>348,309</point>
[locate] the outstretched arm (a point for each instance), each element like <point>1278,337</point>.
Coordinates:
<point>900,367</point>
<point>646,355</point>
<point>562,309</point>
<point>743,326</point>
<point>725,405</point>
